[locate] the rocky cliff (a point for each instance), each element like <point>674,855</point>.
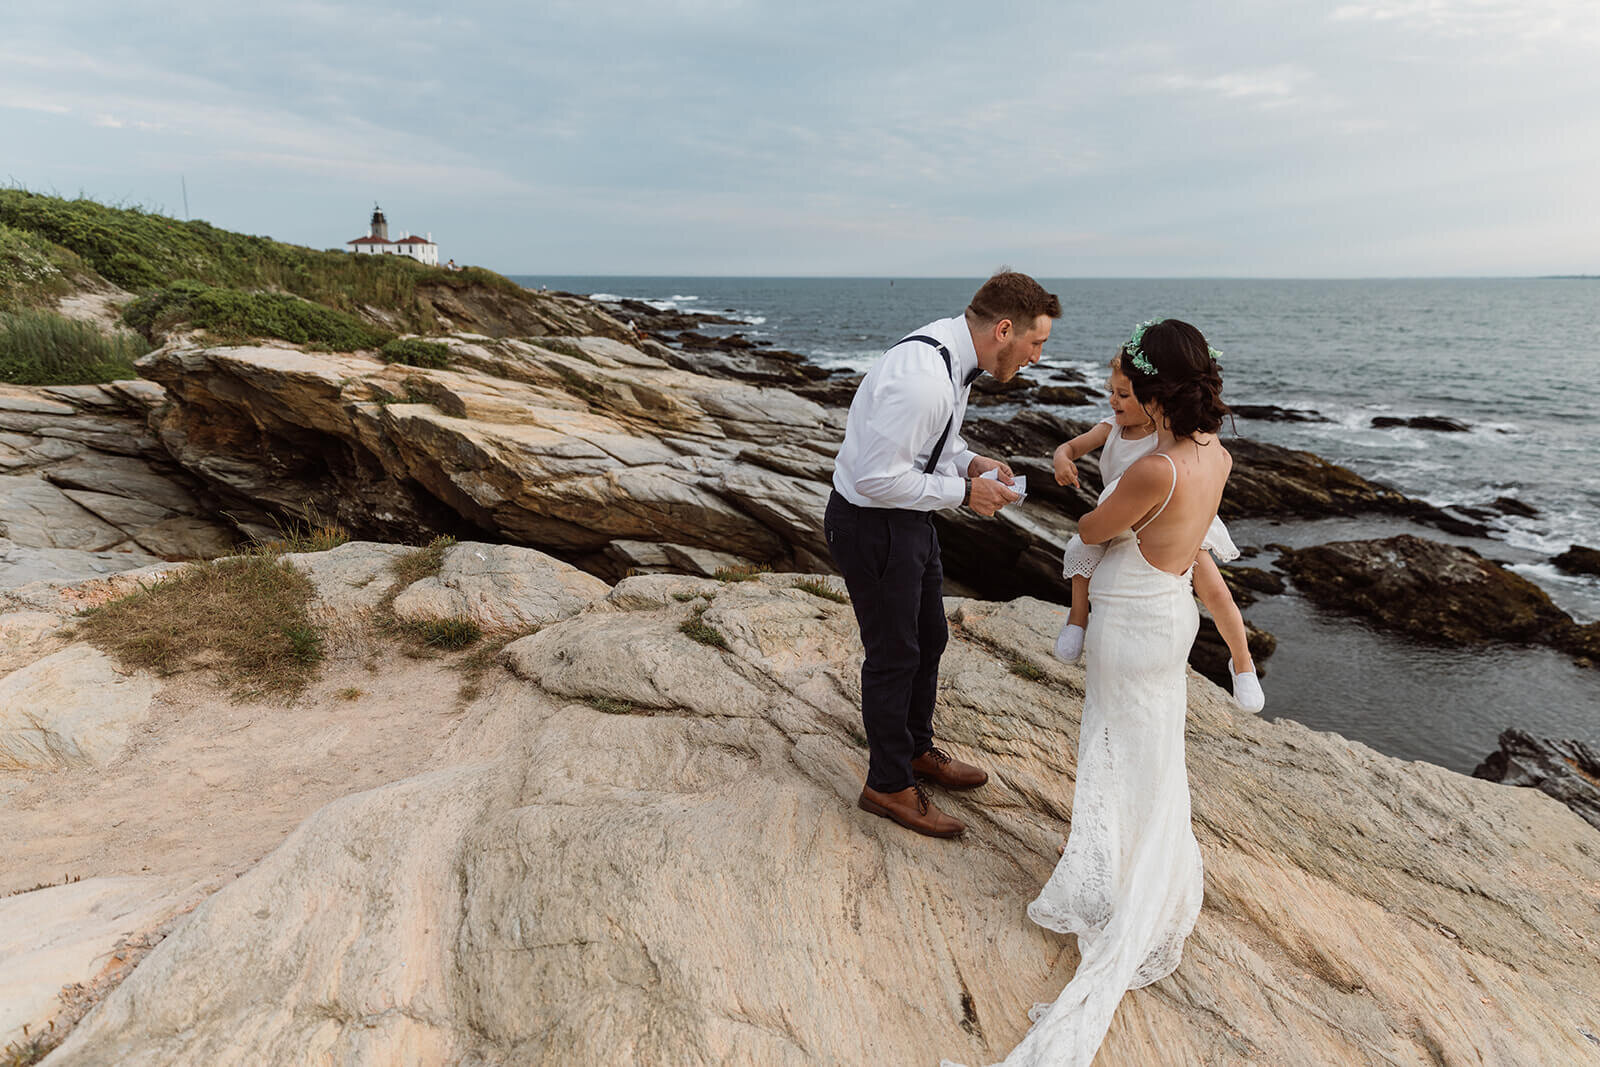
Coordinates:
<point>630,840</point>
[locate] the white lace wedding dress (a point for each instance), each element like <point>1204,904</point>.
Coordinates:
<point>1129,883</point>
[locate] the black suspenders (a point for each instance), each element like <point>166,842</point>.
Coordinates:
<point>949,368</point>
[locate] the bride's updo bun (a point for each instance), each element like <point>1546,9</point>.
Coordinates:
<point>1170,364</point>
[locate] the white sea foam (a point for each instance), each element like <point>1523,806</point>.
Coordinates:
<point>606,298</point>
<point>676,297</point>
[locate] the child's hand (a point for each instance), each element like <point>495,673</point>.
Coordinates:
<point>1066,469</point>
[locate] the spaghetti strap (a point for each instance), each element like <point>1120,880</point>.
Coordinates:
<point>1140,528</point>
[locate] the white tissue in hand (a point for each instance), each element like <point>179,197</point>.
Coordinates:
<point>1018,486</point>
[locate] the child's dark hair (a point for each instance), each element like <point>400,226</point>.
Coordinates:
<point>1182,376</point>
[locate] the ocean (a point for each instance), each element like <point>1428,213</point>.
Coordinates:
<point>1514,359</point>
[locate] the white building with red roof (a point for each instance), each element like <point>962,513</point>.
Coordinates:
<point>377,242</point>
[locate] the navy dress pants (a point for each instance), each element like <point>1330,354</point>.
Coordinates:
<point>890,562</point>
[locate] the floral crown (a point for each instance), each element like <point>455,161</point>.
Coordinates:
<point>1136,354</point>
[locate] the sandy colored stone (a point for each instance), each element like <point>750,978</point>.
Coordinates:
<point>500,587</point>
<point>351,579</point>
<point>638,848</point>
<point>69,934</point>
<point>73,706</point>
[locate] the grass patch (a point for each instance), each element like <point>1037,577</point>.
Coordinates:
<point>238,315</point>
<point>1023,667</point>
<point>350,692</point>
<point>44,348</point>
<point>609,706</point>
<point>312,533</point>
<point>415,353</point>
<point>30,1050</point>
<point>696,627</point>
<point>139,249</point>
<point>684,598</point>
<point>246,616</point>
<point>422,562</point>
<point>818,587</point>
<point>742,574</point>
<point>448,635</point>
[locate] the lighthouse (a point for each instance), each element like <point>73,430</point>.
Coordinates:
<point>377,242</point>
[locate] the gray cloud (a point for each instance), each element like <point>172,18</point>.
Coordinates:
<point>716,136</point>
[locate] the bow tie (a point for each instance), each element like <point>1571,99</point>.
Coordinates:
<point>972,375</point>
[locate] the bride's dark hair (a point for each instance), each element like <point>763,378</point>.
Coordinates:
<point>1179,374</point>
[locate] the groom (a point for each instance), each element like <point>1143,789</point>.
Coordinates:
<point>902,459</point>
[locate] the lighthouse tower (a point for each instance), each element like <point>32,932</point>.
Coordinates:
<point>380,225</point>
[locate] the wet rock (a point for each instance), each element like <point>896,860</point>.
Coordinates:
<point>1420,422</point>
<point>1064,395</point>
<point>1273,413</point>
<point>1507,505</point>
<point>1432,591</point>
<point>1579,559</point>
<point>1569,771</point>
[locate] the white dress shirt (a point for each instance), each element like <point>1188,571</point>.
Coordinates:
<point>900,409</point>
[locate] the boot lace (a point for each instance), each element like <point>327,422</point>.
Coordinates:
<point>922,798</point>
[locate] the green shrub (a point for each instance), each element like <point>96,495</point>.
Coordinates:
<point>236,315</point>
<point>34,272</point>
<point>415,353</point>
<point>43,348</point>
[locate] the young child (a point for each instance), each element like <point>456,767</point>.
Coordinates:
<point>1125,437</point>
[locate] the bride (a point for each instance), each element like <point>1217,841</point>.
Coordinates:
<point>1128,883</point>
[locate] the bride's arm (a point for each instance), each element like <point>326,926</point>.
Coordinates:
<point>1143,487</point>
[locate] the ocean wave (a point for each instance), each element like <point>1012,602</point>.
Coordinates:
<point>677,296</point>
<point>605,298</point>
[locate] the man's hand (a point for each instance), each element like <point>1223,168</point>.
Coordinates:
<point>981,465</point>
<point>989,496</point>
<point>1066,469</point>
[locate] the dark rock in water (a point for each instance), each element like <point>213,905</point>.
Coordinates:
<point>1421,422</point>
<point>1064,395</point>
<point>1273,413</point>
<point>1067,374</point>
<point>1508,505</point>
<point>1579,560</point>
<point>1569,771</point>
<point>1245,582</point>
<point>1436,592</point>
<point>990,390</point>
<point>1270,481</point>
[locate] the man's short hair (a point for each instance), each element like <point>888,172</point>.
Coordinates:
<point>1014,296</point>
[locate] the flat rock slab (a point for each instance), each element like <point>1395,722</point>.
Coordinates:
<point>73,706</point>
<point>70,934</point>
<point>500,587</point>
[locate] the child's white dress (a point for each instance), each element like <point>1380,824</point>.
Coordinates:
<point>1116,456</point>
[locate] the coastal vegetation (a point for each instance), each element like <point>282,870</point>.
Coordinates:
<point>239,315</point>
<point>247,616</point>
<point>44,348</point>
<point>416,353</point>
<point>141,250</point>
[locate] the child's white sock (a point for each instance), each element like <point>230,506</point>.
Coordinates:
<point>1247,690</point>
<point>1069,643</point>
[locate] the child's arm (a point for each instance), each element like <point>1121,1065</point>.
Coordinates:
<point>1067,454</point>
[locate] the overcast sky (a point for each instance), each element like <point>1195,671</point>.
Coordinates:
<point>1256,138</point>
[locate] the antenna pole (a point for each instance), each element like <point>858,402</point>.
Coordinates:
<point>185,183</point>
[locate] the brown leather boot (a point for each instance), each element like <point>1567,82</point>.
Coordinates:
<point>912,809</point>
<point>941,768</point>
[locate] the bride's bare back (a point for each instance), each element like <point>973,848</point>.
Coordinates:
<point>1171,540</point>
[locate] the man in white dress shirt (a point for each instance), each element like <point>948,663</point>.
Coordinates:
<point>902,459</point>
